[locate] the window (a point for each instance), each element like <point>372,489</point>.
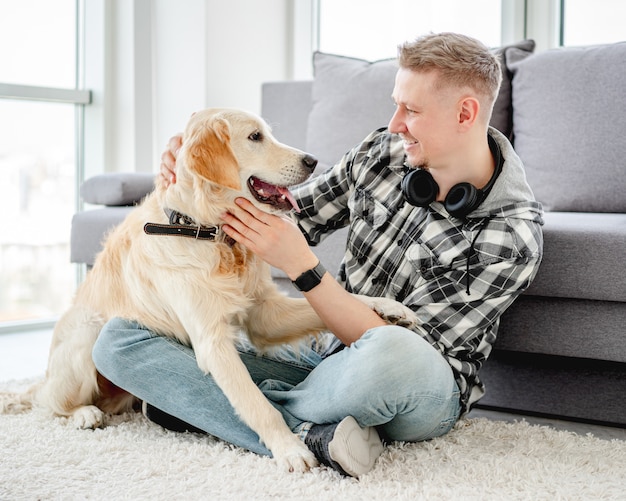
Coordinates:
<point>38,38</point>
<point>597,22</point>
<point>371,29</point>
<point>38,126</point>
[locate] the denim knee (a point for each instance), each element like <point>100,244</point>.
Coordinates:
<point>406,364</point>
<point>116,334</point>
<point>397,351</point>
<point>420,390</point>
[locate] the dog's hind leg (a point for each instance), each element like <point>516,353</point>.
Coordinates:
<point>71,386</point>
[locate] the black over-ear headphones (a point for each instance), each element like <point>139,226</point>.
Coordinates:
<point>420,188</point>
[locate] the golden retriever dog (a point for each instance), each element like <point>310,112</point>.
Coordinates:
<point>169,267</point>
<point>199,287</point>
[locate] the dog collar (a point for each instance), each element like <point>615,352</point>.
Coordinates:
<point>182,226</point>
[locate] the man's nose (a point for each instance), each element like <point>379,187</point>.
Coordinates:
<point>396,125</point>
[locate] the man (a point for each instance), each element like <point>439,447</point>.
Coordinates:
<point>441,219</point>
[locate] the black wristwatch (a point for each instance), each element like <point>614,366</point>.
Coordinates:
<point>309,279</point>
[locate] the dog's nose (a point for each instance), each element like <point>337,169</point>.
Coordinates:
<point>309,161</point>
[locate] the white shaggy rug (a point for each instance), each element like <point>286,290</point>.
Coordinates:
<point>46,459</point>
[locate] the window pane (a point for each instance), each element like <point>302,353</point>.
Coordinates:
<point>38,42</point>
<point>597,22</point>
<point>372,29</point>
<point>37,193</point>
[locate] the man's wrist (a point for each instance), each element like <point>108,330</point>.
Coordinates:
<point>304,264</point>
<point>310,278</point>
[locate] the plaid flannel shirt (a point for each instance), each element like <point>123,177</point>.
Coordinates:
<point>423,257</point>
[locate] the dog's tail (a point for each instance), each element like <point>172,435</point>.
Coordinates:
<point>17,403</point>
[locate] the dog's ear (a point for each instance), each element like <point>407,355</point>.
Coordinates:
<point>210,155</point>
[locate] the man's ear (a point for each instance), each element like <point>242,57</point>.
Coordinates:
<point>209,153</point>
<point>469,108</point>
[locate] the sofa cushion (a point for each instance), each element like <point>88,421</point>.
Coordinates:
<point>89,228</point>
<point>569,124</point>
<point>583,257</point>
<point>280,103</point>
<point>352,97</point>
<point>566,388</point>
<point>567,327</point>
<point>502,115</point>
<point>117,189</point>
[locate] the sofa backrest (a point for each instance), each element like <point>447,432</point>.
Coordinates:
<point>569,124</point>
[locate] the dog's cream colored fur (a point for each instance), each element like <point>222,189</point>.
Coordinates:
<point>199,292</point>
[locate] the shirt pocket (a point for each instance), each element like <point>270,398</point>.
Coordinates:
<point>364,207</point>
<point>424,262</point>
<point>437,256</point>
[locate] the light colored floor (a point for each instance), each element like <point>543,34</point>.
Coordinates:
<point>24,355</point>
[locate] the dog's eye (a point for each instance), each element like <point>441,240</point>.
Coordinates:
<point>256,136</point>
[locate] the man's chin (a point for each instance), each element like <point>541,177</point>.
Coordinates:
<point>415,162</point>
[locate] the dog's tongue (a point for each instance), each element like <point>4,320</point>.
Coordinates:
<point>289,197</point>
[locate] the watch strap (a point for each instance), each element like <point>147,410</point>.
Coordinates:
<point>310,278</point>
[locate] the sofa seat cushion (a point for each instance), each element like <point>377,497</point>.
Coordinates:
<point>569,124</point>
<point>566,327</point>
<point>563,387</point>
<point>583,257</point>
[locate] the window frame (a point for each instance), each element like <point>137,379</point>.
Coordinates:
<point>521,19</point>
<point>80,98</point>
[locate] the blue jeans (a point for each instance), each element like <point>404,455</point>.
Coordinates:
<point>390,378</point>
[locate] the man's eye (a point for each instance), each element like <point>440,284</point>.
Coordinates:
<point>255,136</point>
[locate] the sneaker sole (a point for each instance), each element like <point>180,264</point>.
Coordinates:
<point>354,448</point>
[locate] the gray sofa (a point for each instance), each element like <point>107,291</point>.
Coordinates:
<point>561,348</point>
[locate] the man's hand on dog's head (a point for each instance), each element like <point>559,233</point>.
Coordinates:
<point>167,173</point>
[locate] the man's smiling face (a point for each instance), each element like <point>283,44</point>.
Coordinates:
<point>425,117</point>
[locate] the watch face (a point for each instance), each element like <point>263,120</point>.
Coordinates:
<point>310,279</point>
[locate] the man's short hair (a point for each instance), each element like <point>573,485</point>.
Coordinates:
<point>459,60</point>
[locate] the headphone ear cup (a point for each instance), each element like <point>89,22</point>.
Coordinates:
<point>419,188</point>
<point>462,199</point>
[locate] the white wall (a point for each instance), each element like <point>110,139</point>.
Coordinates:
<point>154,62</point>
<point>249,44</point>
<point>180,74</point>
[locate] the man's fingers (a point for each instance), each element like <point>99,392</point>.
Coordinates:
<point>251,213</point>
<point>175,143</point>
<point>237,227</point>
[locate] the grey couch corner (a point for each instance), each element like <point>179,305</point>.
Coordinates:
<point>561,348</point>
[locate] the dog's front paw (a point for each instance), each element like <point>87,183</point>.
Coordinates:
<point>393,312</point>
<point>295,456</point>
<point>88,417</point>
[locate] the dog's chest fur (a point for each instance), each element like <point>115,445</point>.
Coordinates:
<point>234,259</point>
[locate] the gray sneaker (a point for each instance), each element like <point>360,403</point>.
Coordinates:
<point>345,446</point>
